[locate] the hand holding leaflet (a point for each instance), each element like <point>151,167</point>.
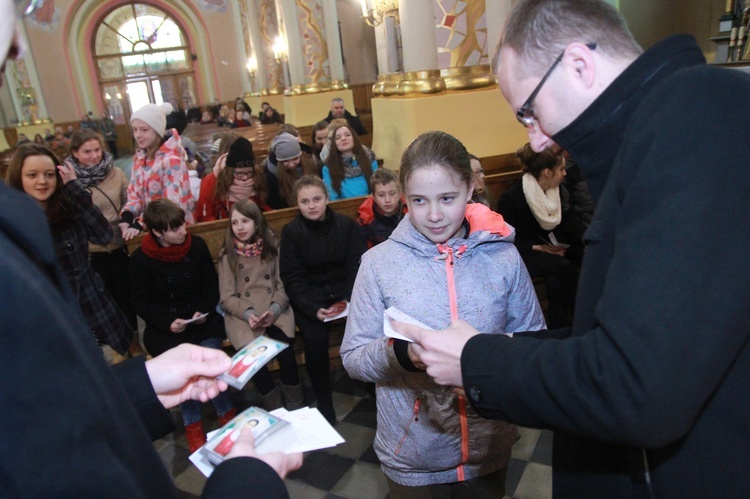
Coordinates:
<point>398,315</point>
<point>194,319</point>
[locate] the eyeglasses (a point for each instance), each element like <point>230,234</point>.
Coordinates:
<point>525,114</point>
<point>27,7</point>
<point>242,175</point>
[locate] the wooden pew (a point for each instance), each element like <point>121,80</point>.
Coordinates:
<point>214,233</point>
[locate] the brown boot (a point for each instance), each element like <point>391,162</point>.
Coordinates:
<point>195,435</point>
<point>293,396</point>
<point>227,416</point>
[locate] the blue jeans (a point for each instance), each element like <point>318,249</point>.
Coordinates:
<point>191,409</point>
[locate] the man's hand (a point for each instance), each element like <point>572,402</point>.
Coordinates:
<point>440,351</point>
<point>282,463</point>
<point>188,372</point>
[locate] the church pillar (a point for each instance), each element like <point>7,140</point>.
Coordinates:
<point>446,83</point>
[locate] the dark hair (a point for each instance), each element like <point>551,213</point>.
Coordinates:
<point>536,162</point>
<point>320,125</point>
<point>61,212</point>
<point>288,178</point>
<point>82,136</point>
<point>436,149</point>
<point>225,177</point>
<point>163,214</point>
<point>222,181</point>
<point>249,209</point>
<point>335,161</point>
<point>308,181</point>
<point>382,176</point>
<point>539,30</point>
<point>178,120</point>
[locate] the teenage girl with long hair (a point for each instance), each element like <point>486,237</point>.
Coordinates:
<point>253,299</point>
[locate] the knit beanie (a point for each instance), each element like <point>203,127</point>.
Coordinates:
<point>241,154</point>
<point>154,115</point>
<point>216,146</point>
<point>285,146</point>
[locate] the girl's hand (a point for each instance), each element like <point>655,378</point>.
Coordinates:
<point>253,320</point>
<point>199,321</point>
<point>415,358</point>
<point>267,319</point>
<point>177,326</point>
<point>128,232</point>
<point>67,173</point>
<point>322,313</point>
<point>548,248</point>
<point>221,162</point>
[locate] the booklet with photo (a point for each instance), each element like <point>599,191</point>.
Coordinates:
<point>311,432</point>
<point>338,310</point>
<point>271,434</point>
<point>398,315</point>
<point>250,358</point>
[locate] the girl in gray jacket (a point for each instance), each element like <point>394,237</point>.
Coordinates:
<point>445,261</point>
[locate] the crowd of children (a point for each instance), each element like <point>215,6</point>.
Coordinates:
<point>456,260</point>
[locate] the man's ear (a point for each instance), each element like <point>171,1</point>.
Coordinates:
<point>157,234</point>
<point>579,61</point>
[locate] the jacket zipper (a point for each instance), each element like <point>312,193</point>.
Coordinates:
<point>449,262</point>
<point>413,419</point>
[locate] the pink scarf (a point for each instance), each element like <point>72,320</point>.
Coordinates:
<point>241,189</point>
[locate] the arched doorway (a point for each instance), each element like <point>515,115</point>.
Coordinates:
<point>142,55</point>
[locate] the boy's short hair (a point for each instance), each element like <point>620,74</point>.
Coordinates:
<point>163,214</point>
<point>382,176</point>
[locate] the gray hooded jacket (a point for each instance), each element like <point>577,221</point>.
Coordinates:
<point>427,434</point>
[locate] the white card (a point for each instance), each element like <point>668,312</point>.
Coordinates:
<point>399,316</point>
<point>202,316</point>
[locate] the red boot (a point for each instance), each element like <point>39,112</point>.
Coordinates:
<point>195,435</point>
<point>227,417</point>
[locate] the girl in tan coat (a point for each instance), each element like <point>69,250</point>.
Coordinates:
<point>254,301</point>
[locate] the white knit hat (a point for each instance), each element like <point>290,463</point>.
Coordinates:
<point>154,115</point>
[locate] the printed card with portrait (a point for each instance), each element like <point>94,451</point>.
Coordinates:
<point>249,359</point>
<point>270,432</point>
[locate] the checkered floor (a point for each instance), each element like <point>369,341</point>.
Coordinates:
<point>352,470</point>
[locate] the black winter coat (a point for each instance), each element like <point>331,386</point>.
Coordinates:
<point>649,398</point>
<point>165,291</point>
<point>516,211</point>
<point>319,260</point>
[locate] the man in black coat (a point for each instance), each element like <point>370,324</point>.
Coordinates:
<point>648,392</point>
<point>338,111</point>
<point>73,427</point>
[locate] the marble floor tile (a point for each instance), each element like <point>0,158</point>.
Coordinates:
<point>524,447</point>
<point>358,440</point>
<point>362,481</point>
<point>536,482</point>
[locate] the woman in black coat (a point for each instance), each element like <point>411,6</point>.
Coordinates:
<point>174,284</point>
<point>545,235</point>
<point>319,259</point>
